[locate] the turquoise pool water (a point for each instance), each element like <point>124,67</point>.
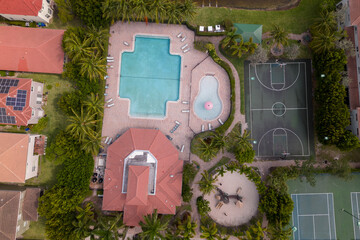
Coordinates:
<point>150,77</point>
<point>208,92</point>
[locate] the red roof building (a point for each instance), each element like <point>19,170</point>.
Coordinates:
<point>20,101</point>
<point>143,173</point>
<point>26,10</point>
<point>352,27</point>
<point>31,49</point>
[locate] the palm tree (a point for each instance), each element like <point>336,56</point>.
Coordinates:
<point>325,24</point>
<point>230,39</point>
<point>210,233</point>
<point>97,37</point>
<point>219,141</point>
<point>323,43</point>
<point>112,9</point>
<point>77,48</point>
<point>251,46</point>
<point>92,143</point>
<point>158,10</point>
<point>94,104</point>
<point>231,167</point>
<point>239,49</point>
<point>173,12</point>
<point>152,227</point>
<point>254,232</point>
<point>84,220</point>
<point>278,231</point>
<point>221,171</point>
<point>81,125</point>
<point>93,67</point>
<point>237,141</point>
<point>279,35</point>
<point>187,228</point>
<point>141,9</point>
<point>108,227</point>
<point>188,9</point>
<point>207,182</point>
<point>206,150</point>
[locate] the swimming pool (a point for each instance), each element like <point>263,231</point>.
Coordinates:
<point>208,95</point>
<point>150,76</point>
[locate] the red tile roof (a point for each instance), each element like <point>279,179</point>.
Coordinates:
<point>9,207</point>
<point>168,177</point>
<point>20,7</point>
<point>354,6</point>
<point>31,49</point>
<point>21,117</point>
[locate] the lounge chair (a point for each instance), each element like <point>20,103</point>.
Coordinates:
<point>179,35</point>
<point>217,28</point>
<point>177,122</point>
<point>125,43</point>
<point>183,39</point>
<point>201,28</point>
<point>183,47</point>
<point>185,110</point>
<point>110,60</point>
<point>185,102</point>
<point>221,122</point>
<point>186,50</point>
<point>109,100</point>
<point>105,94</point>
<point>110,105</point>
<point>106,86</point>
<point>202,128</point>
<point>106,140</point>
<point>106,77</point>
<point>110,140</point>
<point>182,148</point>
<point>210,128</point>
<point>210,28</point>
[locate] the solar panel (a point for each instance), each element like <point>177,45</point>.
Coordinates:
<point>18,108</point>
<point>5,84</point>
<point>10,101</point>
<point>20,99</point>
<point>6,119</point>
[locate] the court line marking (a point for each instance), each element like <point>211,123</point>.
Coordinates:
<point>328,204</point>
<point>302,147</point>
<point>313,218</point>
<point>267,109</point>
<point>306,98</point>
<point>278,90</point>
<point>280,135</point>
<point>317,214</point>
<point>333,218</point>
<point>357,206</point>
<point>313,215</point>
<point>352,210</point>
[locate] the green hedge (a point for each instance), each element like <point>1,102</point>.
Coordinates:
<point>212,52</point>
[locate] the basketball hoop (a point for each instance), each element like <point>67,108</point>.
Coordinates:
<point>284,155</point>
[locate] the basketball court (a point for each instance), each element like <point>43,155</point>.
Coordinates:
<point>279,109</point>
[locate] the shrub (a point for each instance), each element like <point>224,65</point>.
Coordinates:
<point>277,206</point>
<point>260,55</point>
<point>189,173</point>
<point>200,45</point>
<point>41,125</point>
<point>228,24</point>
<point>48,86</point>
<point>348,142</point>
<point>211,49</point>
<point>203,206</point>
<point>292,51</point>
<point>246,156</point>
<point>70,101</point>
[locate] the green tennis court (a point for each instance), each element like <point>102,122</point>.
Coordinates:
<point>279,109</point>
<point>328,210</point>
<point>313,216</point>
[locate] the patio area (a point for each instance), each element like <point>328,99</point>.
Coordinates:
<point>194,65</point>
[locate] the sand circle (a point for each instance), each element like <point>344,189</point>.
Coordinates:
<point>233,213</point>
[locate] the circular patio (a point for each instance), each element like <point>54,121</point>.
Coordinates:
<point>235,201</point>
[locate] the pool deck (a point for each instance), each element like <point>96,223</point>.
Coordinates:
<point>194,65</point>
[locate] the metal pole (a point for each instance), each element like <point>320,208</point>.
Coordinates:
<point>343,209</point>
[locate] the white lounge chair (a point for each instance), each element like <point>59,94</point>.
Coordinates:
<point>125,43</point>
<point>179,35</point>
<point>217,28</point>
<point>106,140</point>
<point>221,122</point>
<point>109,100</point>
<point>177,122</point>
<point>185,102</point>
<point>185,110</point>
<point>210,29</point>
<point>109,142</point>
<point>183,39</point>
<point>110,105</point>
<point>210,128</point>
<point>106,86</point>
<point>186,50</point>
<point>201,28</point>
<point>202,128</point>
<point>106,77</point>
<point>110,60</point>
<point>105,94</point>
<point>182,148</point>
<point>183,47</point>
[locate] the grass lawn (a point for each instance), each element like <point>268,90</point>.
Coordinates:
<point>296,20</point>
<point>48,170</point>
<point>36,230</point>
<point>57,119</point>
